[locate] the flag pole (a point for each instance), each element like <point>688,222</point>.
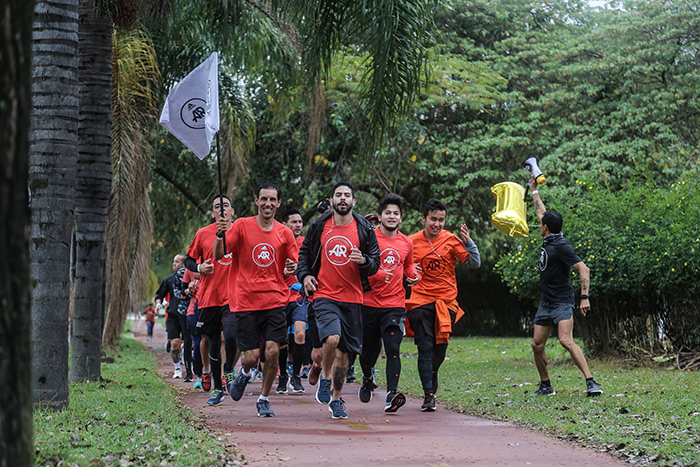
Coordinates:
<point>221,191</point>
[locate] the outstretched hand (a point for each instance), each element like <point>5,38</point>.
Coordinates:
<point>465,233</point>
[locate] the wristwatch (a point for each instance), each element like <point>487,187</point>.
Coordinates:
<point>584,297</point>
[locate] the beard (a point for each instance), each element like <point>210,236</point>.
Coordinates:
<point>342,210</point>
<point>390,228</point>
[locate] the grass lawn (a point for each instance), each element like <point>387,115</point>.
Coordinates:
<point>646,414</point>
<point>131,417</point>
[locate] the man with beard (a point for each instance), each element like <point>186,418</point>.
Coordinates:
<point>337,257</point>
<point>384,307</point>
<point>432,307</point>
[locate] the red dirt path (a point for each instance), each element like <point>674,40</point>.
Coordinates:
<point>302,432</point>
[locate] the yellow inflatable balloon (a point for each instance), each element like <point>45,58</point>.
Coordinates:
<point>510,216</point>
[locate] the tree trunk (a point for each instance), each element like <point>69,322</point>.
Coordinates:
<point>93,183</point>
<point>53,154</point>
<point>16,447</point>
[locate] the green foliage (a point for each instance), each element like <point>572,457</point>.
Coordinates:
<point>130,414</point>
<point>646,414</point>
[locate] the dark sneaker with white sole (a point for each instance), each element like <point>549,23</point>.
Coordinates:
<point>365,392</point>
<point>296,385</point>
<point>264,409</point>
<point>394,401</point>
<point>544,391</point>
<point>428,403</point>
<point>282,385</point>
<point>337,409</point>
<point>323,393</point>
<point>592,388</point>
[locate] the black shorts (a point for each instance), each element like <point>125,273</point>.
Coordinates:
<point>176,325</point>
<point>549,314</point>
<point>271,325</point>
<point>422,320</point>
<point>297,310</point>
<point>379,319</point>
<point>312,331</point>
<point>340,318</point>
<point>209,321</point>
<point>230,325</point>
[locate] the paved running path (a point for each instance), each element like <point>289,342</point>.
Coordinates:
<point>302,433</point>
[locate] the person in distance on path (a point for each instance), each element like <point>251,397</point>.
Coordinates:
<point>556,308</point>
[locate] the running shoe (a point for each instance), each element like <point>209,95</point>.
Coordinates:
<point>337,408</point>
<point>365,392</point>
<point>592,388</point>
<point>543,390</point>
<point>206,381</point>
<point>350,375</point>
<point>428,403</point>
<point>394,401</point>
<point>435,381</point>
<point>282,385</point>
<point>167,347</point>
<point>305,372</point>
<point>237,388</point>
<point>197,384</point>
<point>323,393</point>
<point>177,374</point>
<point>227,379</point>
<point>264,409</point>
<point>188,377</point>
<point>296,384</point>
<point>216,396</point>
<point>253,374</point>
<point>314,374</point>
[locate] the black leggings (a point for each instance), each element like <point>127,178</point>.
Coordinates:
<point>430,357</point>
<point>372,345</point>
<point>230,346</point>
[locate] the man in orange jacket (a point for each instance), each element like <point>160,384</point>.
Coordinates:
<point>432,307</point>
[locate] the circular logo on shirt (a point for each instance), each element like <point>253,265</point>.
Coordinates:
<point>432,265</point>
<point>263,255</point>
<point>338,250</point>
<point>544,257</point>
<point>226,260</point>
<point>389,259</point>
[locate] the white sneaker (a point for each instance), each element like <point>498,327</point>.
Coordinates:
<point>177,374</point>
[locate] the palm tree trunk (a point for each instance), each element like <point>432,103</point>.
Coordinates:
<point>53,155</point>
<point>16,447</point>
<point>93,183</point>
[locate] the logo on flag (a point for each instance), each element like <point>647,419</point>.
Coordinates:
<point>191,111</point>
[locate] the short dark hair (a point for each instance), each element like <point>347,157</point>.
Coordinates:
<point>219,196</point>
<point>434,205</point>
<point>392,198</point>
<point>553,220</point>
<point>347,184</point>
<point>289,213</point>
<point>269,186</point>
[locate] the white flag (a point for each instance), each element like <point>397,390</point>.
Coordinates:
<point>191,111</point>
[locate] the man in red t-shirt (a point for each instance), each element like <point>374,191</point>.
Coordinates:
<point>297,312</point>
<point>265,253</point>
<point>384,307</point>
<point>338,255</point>
<point>432,307</point>
<point>212,295</point>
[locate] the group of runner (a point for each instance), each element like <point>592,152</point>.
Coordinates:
<point>348,287</point>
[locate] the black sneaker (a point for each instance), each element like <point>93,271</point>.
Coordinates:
<point>592,388</point>
<point>188,377</point>
<point>428,403</point>
<point>435,381</point>
<point>282,385</point>
<point>264,409</point>
<point>394,401</point>
<point>237,388</point>
<point>544,391</point>
<point>350,375</point>
<point>365,392</point>
<point>296,384</point>
<point>167,347</point>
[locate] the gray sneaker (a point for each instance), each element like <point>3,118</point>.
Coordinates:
<point>296,384</point>
<point>337,409</point>
<point>264,409</point>
<point>237,388</point>
<point>323,393</point>
<point>592,388</point>
<point>544,391</point>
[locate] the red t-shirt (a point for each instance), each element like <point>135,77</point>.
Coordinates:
<point>291,279</point>
<point>259,282</point>
<point>338,276</point>
<point>213,288</point>
<point>396,259</point>
<point>438,260</point>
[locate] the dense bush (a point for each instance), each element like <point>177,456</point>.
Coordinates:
<point>642,243</point>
